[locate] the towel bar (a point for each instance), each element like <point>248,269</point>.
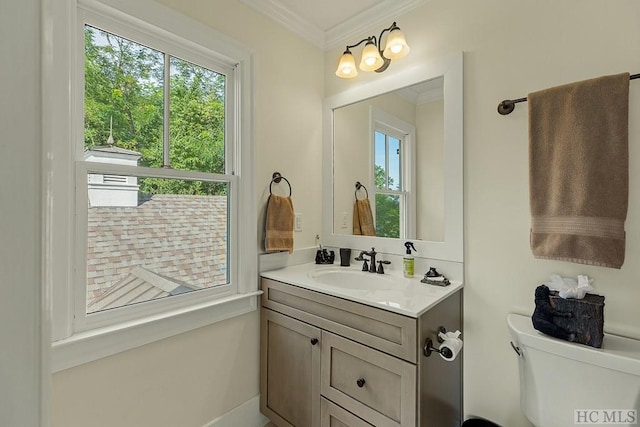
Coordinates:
<point>508,105</point>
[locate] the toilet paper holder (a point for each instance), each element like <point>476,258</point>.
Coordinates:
<point>429,348</point>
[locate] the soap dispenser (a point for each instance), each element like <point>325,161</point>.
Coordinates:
<point>408,260</point>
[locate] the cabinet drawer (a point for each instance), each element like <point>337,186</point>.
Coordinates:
<point>376,387</point>
<point>389,332</point>
<point>335,416</point>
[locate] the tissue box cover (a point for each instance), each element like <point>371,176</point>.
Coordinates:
<point>587,317</point>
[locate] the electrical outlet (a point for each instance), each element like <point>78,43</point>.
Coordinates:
<point>345,218</point>
<point>297,224</point>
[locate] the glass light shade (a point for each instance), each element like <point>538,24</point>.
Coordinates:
<point>347,66</point>
<point>371,59</point>
<point>396,47</point>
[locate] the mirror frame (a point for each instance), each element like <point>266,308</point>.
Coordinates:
<point>451,249</point>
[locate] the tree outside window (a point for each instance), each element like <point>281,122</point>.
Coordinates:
<point>388,182</point>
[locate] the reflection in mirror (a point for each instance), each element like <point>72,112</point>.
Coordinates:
<point>394,145</point>
<point>400,136</point>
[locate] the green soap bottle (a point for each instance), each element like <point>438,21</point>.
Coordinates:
<point>408,261</point>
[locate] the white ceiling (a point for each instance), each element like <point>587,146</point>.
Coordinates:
<point>331,23</point>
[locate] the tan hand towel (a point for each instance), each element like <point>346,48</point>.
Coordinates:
<point>363,218</point>
<point>578,166</point>
<point>279,224</point>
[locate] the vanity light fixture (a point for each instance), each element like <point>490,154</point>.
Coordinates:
<point>374,58</point>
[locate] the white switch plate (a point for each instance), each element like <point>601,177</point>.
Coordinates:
<point>297,224</point>
<point>345,217</point>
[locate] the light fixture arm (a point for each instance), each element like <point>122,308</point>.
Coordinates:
<point>360,42</point>
<point>392,27</point>
<point>387,61</point>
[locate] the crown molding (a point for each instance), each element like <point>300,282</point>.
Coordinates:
<point>290,20</point>
<point>423,93</point>
<point>382,13</point>
<point>426,97</point>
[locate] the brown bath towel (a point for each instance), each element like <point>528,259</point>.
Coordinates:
<point>363,218</point>
<point>279,224</point>
<point>578,171</point>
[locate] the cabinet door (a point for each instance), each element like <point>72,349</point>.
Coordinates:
<point>289,371</point>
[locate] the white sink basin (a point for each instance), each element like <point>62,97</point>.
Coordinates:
<point>390,291</point>
<point>353,279</point>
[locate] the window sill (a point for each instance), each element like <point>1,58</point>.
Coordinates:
<point>88,346</point>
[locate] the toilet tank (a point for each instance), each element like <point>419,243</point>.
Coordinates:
<point>565,384</point>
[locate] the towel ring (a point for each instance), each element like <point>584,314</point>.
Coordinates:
<point>358,187</point>
<point>277,177</point>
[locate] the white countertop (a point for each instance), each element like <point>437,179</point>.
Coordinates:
<point>405,296</point>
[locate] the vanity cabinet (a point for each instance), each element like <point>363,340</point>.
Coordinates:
<point>331,362</point>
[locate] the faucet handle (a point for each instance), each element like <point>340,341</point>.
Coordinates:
<point>365,266</point>
<point>380,268</point>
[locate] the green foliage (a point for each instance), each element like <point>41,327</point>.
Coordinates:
<point>197,118</point>
<point>173,186</point>
<point>387,207</point>
<point>381,179</point>
<point>124,81</point>
<point>387,215</point>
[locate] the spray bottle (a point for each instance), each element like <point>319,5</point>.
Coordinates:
<point>408,260</point>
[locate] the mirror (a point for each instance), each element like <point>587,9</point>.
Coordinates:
<point>401,138</point>
<point>393,144</point>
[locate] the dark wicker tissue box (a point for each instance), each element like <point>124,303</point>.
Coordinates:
<point>587,317</point>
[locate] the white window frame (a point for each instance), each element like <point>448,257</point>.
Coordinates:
<point>383,122</point>
<point>91,337</point>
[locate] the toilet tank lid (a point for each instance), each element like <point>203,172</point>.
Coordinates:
<point>618,353</point>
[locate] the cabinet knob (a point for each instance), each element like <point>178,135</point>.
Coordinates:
<point>360,382</point>
<point>314,341</point>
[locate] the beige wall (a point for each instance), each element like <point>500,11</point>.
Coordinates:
<point>186,380</point>
<point>511,49</point>
<point>352,158</point>
<point>430,171</point>
<point>190,379</point>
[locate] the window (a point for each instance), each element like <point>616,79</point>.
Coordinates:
<point>392,149</point>
<point>389,186</point>
<point>145,236</point>
<point>150,237</point>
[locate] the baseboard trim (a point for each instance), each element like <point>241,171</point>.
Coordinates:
<point>246,415</point>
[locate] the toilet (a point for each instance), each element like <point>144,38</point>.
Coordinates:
<point>564,384</point>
